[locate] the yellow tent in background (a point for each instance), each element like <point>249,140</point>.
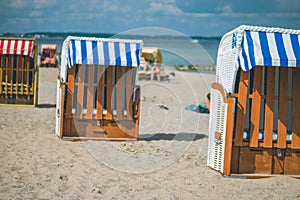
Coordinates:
<point>152,54</point>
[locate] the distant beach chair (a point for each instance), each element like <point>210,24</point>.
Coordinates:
<point>254,127</point>
<point>152,55</point>
<point>48,55</point>
<point>18,71</point>
<point>97,97</point>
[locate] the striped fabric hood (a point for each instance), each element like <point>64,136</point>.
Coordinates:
<point>248,46</point>
<point>99,51</point>
<point>261,48</point>
<point>48,46</point>
<point>17,47</point>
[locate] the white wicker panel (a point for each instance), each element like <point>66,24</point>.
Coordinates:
<point>217,123</point>
<point>58,104</point>
<point>227,64</point>
<point>212,127</point>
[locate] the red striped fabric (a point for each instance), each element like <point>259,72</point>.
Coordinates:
<point>1,46</point>
<point>17,47</point>
<point>48,46</point>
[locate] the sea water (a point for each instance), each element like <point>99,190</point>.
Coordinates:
<point>175,51</point>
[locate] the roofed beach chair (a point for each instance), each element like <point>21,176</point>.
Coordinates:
<point>254,127</point>
<point>48,55</point>
<point>97,97</point>
<point>18,72</point>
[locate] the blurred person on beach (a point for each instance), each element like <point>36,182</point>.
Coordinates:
<point>155,70</point>
<point>208,102</point>
<point>205,108</point>
<point>144,64</point>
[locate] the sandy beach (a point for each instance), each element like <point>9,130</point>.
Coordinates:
<point>167,162</point>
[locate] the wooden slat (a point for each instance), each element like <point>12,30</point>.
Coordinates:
<point>6,74</point>
<point>36,75</point>
<point>229,136</point>
<point>292,162</point>
<point>80,92</point>
<point>296,110</point>
<point>278,161</point>
<point>1,72</point>
<point>255,109</point>
<point>255,160</point>
<point>269,107</point>
<point>11,77</point>
<point>137,114</point>
<point>241,108</point>
<point>129,89</point>
<point>90,92</point>
<point>61,114</point>
<point>32,70</point>
<point>27,73</point>
<point>70,91</point>
<point>109,89</point>
<point>18,73</point>
<point>100,87</point>
<point>22,74</point>
<point>119,92</point>
<point>282,110</point>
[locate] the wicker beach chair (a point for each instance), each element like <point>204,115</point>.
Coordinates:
<point>48,55</point>
<point>97,97</point>
<point>254,122</point>
<point>18,72</point>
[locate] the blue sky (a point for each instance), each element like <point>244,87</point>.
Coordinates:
<point>190,17</point>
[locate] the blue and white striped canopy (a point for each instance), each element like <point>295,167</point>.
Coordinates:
<point>99,51</point>
<point>114,52</point>
<point>260,48</point>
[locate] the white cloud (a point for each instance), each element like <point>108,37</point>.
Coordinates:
<point>170,1</point>
<point>164,8</point>
<point>168,8</point>
<point>200,15</point>
<point>35,13</point>
<point>38,4</point>
<point>110,6</point>
<point>18,21</point>
<point>17,4</point>
<point>151,19</point>
<point>282,14</point>
<point>225,10</point>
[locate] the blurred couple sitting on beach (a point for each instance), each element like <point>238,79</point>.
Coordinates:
<point>201,108</point>
<point>155,68</point>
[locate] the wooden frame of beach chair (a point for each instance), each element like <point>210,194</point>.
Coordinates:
<point>18,72</point>
<point>48,55</point>
<point>97,96</point>
<point>254,123</point>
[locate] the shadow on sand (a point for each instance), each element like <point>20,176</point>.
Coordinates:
<point>172,136</point>
<point>46,105</point>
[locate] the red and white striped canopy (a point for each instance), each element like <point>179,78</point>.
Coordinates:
<point>48,46</point>
<point>17,47</point>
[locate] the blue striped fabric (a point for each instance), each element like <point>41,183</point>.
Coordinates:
<point>269,49</point>
<point>116,53</point>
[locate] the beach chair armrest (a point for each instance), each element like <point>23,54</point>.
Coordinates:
<point>219,87</point>
<point>136,101</point>
<point>61,83</point>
